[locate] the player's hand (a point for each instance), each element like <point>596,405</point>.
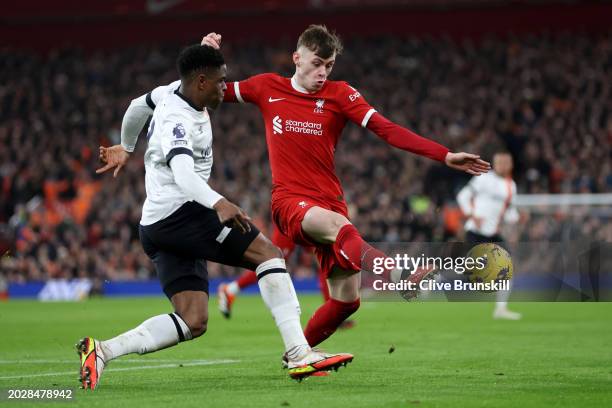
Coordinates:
<point>212,40</point>
<point>470,163</point>
<point>232,216</point>
<point>115,157</point>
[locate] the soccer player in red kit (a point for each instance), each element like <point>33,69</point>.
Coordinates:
<point>304,117</point>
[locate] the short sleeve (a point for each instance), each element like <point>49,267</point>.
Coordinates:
<point>247,91</point>
<point>176,137</point>
<point>354,106</point>
<point>157,94</point>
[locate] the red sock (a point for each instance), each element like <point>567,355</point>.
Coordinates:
<point>327,318</point>
<point>323,286</point>
<point>247,278</point>
<point>350,246</point>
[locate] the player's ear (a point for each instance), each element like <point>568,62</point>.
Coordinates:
<point>201,79</point>
<point>296,58</point>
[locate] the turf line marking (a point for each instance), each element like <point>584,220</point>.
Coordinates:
<point>147,367</point>
<point>123,360</point>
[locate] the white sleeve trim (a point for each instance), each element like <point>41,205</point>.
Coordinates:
<point>237,92</point>
<point>367,117</point>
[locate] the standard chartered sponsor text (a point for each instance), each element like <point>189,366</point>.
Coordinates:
<point>308,128</point>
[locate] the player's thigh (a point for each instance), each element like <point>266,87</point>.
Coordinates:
<point>240,249</point>
<point>178,274</point>
<point>344,285</point>
<point>322,225</point>
<point>192,231</point>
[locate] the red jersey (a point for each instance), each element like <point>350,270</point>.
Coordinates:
<point>302,130</point>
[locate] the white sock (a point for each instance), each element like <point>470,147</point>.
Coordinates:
<point>502,297</point>
<point>233,288</point>
<point>154,334</point>
<point>279,295</point>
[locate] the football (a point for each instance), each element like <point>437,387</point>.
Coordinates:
<point>497,264</point>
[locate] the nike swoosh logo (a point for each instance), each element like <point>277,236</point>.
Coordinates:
<point>275,100</point>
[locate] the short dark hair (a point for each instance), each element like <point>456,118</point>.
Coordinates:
<point>198,58</point>
<point>321,41</point>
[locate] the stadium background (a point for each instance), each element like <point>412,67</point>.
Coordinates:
<point>531,76</point>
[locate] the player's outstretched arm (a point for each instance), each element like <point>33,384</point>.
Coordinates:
<point>134,119</point>
<point>405,139</point>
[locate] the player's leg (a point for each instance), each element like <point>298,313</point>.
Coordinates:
<point>188,294</point>
<point>501,306</point>
<point>501,310</point>
<point>279,296</point>
<point>173,244</point>
<point>329,227</point>
<point>188,321</point>
<point>227,292</point>
<point>324,287</point>
<point>343,302</point>
<point>350,250</point>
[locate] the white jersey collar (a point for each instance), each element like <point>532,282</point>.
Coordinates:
<point>298,87</point>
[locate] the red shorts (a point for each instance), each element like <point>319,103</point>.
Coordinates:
<point>282,241</point>
<point>288,213</point>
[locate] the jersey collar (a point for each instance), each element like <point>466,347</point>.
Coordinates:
<point>188,101</point>
<point>298,87</point>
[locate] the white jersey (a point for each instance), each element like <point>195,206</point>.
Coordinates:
<point>139,111</point>
<point>177,127</point>
<point>154,97</point>
<point>489,197</point>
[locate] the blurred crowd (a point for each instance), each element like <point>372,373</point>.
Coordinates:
<point>546,98</point>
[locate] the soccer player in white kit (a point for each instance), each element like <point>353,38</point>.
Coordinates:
<point>186,223</point>
<point>487,202</point>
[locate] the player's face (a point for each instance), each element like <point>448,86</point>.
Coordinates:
<point>311,70</point>
<point>214,87</point>
<point>502,164</point>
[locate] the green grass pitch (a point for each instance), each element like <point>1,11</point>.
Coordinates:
<point>446,355</point>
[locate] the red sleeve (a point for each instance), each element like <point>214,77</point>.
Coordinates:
<point>353,105</point>
<point>246,91</point>
<point>404,139</point>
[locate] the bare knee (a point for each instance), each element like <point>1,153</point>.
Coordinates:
<point>261,250</point>
<point>192,307</point>
<point>323,225</point>
<point>197,321</point>
<point>270,251</point>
